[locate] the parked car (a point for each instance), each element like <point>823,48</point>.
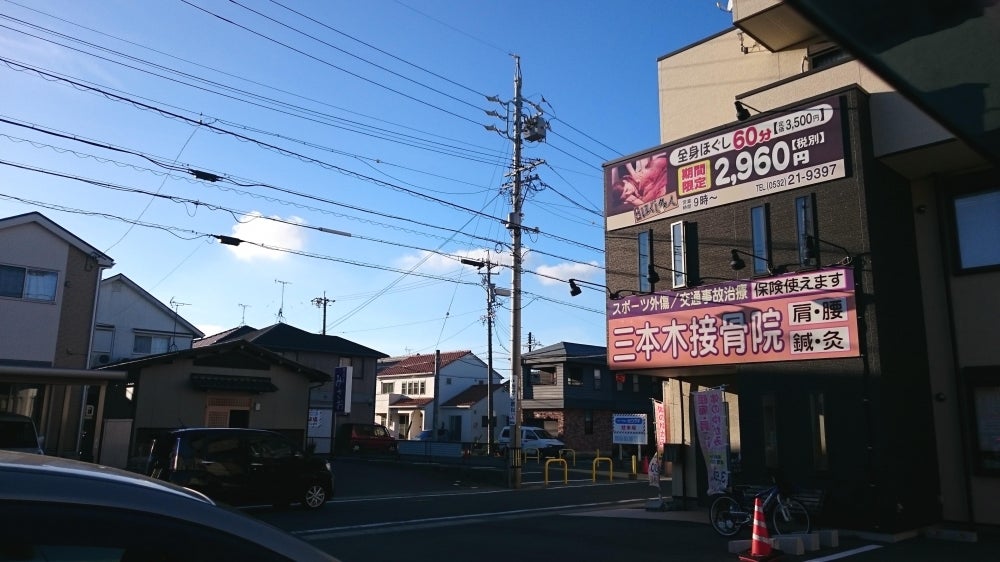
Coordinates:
<point>18,433</point>
<point>364,438</point>
<point>242,466</point>
<point>532,439</point>
<point>53,508</point>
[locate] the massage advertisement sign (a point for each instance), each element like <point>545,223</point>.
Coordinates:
<point>804,315</point>
<point>785,151</point>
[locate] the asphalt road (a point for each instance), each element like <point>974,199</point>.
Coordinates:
<point>388,511</point>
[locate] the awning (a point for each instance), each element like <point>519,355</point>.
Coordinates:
<point>232,383</point>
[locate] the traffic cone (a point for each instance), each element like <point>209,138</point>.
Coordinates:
<point>760,546</point>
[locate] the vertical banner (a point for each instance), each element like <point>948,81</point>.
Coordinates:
<point>712,422</point>
<point>660,419</point>
<point>342,377</point>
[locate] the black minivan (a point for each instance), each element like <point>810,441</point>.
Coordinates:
<point>241,466</point>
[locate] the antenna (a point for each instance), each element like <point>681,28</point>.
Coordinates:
<point>243,320</point>
<point>176,305</point>
<point>281,315</point>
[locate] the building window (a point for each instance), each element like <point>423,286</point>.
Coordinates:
<point>770,431</point>
<point>820,458</point>
<point>678,255</point>
<point>388,387</point>
<point>984,396</point>
<point>597,379</point>
<point>645,260</point>
<point>635,383</point>
<point>978,230</point>
<point>588,422</point>
<point>805,226</point>
<point>761,240</point>
<point>828,56</point>
<point>28,284</point>
<point>149,344</point>
<point>574,376</point>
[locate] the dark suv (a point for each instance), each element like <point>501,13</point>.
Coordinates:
<point>241,466</point>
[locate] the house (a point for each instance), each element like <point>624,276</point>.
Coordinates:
<point>329,354</point>
<point>408,386</point>
<point>132,323</point>
<point>806,276</point>
<point>230,384</point>
<point>570,392</point>
<point>49,282</point>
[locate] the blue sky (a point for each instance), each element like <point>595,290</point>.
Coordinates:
<point>319,118</point>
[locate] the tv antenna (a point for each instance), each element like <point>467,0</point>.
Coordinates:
<point>243,319</point>
<point>281,315</point>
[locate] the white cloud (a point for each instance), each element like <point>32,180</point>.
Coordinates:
<point>255,228</point>
<point>567,270</point>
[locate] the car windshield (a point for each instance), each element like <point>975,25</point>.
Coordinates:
<point>542,434</point>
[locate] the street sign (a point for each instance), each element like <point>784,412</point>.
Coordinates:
<point>629,429</point>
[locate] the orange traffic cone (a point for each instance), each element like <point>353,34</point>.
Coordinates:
<point>760,546</point>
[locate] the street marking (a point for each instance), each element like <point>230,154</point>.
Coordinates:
<point>845,553</point>
<point>413,524</point>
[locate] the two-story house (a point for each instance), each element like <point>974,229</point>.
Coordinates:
<point>327,354</point>
<point>419,392</point>
<point>570,392</point>
<point>49,281</point>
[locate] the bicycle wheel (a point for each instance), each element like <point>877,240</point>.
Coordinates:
<point>726,516</point>
<point>789,516</point>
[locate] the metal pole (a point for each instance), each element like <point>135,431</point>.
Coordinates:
<point>489,362</point>
<point>514,224</point>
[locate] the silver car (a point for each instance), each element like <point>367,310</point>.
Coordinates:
<point>59,509</point>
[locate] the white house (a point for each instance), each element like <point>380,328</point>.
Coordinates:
<point>406,390</point>
<point>132,323</point>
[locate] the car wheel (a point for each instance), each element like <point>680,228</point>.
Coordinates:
<point>314,496</point>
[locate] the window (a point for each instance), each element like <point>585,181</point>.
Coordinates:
<point>588,422</point>
<point>805,226</point>
<point>678,255</point>
<point>645,259</point>
<point>977,229</point>
<point>635,383</point>
<point>825,57</point>
<point>761,240</point>
<point>388,388</point>
<point>820,458</point>
<point>149,344</point>
<point>28,284</point>
<point>984,397</point>
<point>597,379</point>
<point>574,376</point>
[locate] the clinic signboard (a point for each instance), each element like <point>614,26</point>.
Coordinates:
<point>792,317</point>
<point>629,429</point>
<point>779,152</point>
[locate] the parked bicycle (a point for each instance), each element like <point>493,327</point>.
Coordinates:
<point>730,512</point>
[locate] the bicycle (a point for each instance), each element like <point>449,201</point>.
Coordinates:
<point>730,512</point>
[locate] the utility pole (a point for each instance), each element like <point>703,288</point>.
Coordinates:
<point>535,131</point>
<point>323,302</point>
<point>491,293</point>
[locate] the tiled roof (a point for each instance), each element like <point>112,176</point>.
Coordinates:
<point>471,396</point>
<point>422,364</point>
<point>285,337</point>
<point>406,402</point>
<point>565,352</point>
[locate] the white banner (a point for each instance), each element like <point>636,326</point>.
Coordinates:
<point>660,419</point>
<point>712,422</point>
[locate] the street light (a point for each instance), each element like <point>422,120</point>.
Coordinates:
<point>491,293</point>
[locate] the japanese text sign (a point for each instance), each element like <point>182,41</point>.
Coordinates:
<point>804,315</point>
<point>629,429</point>
<point>793,149</point>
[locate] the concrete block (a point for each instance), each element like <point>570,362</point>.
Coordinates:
<point>810,541</point>
<point>739,546</point>
<point>829,538</point>
<point>789,544</point>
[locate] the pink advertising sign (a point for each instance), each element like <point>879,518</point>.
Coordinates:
<point>793,317</point>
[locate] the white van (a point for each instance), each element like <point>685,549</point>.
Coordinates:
<point>17,433</point>
<point>532,439</point>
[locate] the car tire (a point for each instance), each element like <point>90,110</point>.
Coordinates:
<point>314,496</point>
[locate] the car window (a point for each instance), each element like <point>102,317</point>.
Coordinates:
<point>17,434</point>
<point>542,434</point>
<point>271,447</point>
<point>380,431</point>
<point>59,532</point>
<point>505,433</point>
<point>529,434</point>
